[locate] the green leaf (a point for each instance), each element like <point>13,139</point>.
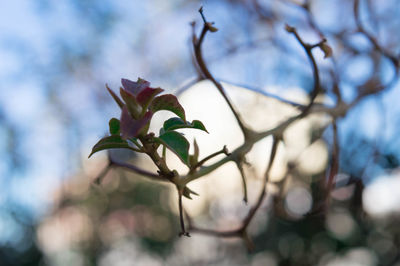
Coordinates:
<point>110,142</point>
<point>176,123</point>
<point>114,126</point>
<point>176,143</point>
<point>115,97</point>
<point>199,125</point>
<point>168,102</point>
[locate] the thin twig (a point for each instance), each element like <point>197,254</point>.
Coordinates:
<point>138,170</point>
<point>197,45</point>
<point>239,165</point>
<point>102,174</point>
<point>372,39</point>
<point>201,162</point>
<point>266,94</point>
<point>261,197</point>
<point>311,19</point>
<point>308,49</point>
<point>187,85</point>
<point>241,231</point>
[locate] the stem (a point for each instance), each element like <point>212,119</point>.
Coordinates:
<point>199,164</point>
<point>241,231</point>
<point>161,164</point>
<point>164,152</point>
<point>372,39</point>
<point>136,143</point>
<point>103,173</point>
<point>261,197</point>
<point>137,170</point>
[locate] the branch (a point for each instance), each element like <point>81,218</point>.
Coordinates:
<point>199,164</point>
<point>261,197</point>
<point>197,43</point>
<point>308,49</point>
<point>137,170</point>
<point>239,164</point>
<point>266,94</point>
<point>187,85</point>
<point>99,178</point>
<point>372,39</point>
<point>241,231</point>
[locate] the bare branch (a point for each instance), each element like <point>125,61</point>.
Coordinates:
<point>99,178</point>
<point>197,44</point>
<point>200,163</point>
<point>308,49</point>
<point>137,170</point>
<point>372,39</point>
<point>241,231</point>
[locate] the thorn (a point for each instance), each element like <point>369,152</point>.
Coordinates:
<point>225,150</point>
<point>245,201</point>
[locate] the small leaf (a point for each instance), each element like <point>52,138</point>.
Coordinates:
<point>131,127</point>
<point>135,87</point>
<point>289,28</point>
<point>187,191</point>
<point>115,97</point>
<point>197,124</point>
<point>211,27</point>
<point>176,143</point>
<point>170,103</point>
<point>176,123</point>
<point>326,49</point>
<point>147,95</point>
<point>110,142</point>
<point>130,100</point>
<point>114,126</point>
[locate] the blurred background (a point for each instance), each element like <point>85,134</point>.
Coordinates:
<point>57,56</point>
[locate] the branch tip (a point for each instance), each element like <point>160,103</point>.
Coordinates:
<point>202,15</point>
